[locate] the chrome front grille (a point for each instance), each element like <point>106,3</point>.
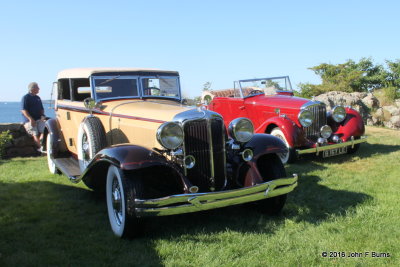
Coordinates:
<point>319,116</point>
<point>205,141</point>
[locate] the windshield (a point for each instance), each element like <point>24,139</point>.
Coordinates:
<point>115,87</point>
<point>268,86</point>
<point>160,86</point>
<point>111,87</point>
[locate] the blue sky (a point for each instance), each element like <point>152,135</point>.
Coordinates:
<point>215,41</point>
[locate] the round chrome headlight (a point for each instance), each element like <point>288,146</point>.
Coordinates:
<point>326,131</point>
<point>338,113</point>
<point>241,130</point>
<point>305,118</point>
<point>170,135</point>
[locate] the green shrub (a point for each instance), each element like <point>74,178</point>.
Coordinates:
<point>387,95</point>
<point>5,138</point>
<point>390,93</point>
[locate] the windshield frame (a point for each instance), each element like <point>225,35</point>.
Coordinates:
<point>288,84</point>
<point>159,96</point>
<point>139,86</point>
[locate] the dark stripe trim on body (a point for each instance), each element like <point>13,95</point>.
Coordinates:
<point>99,112</point>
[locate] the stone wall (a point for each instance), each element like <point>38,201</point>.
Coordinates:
<point>367,105</point>
<point>22,144</point>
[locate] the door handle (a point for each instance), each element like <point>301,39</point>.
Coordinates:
<point>242,107</point>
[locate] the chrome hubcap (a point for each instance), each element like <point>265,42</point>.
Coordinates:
<point>85,148</point>
<point>117,201</point>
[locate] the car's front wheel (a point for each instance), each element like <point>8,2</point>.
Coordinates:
<point>272,169</point>
<point>290,156</point>
<point>121,192</point>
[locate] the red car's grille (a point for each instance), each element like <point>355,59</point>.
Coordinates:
<point>319,116</point>
<point>204,140</point>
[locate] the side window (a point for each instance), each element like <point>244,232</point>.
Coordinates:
<point>80,89</point>
<point>64,90</point>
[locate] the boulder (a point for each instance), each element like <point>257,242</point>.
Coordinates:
<point>12,127</point>
<point>393,110</point>
<point>395,120</point>
<point>21,152</point>
<point>24,140</point>
<point>370,101</point>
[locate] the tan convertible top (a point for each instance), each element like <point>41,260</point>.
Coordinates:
<point>86,72</point>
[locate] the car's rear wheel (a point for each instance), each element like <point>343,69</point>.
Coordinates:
<point>121,192</point>
<point>91,139</point>
<point>272,168</point>
<point>49,150</point>
<point>290,156</point>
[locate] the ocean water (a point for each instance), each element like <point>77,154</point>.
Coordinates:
<point>11,111</point>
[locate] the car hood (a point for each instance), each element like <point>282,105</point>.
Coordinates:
<point>277,101</point>
<point>148,109</point>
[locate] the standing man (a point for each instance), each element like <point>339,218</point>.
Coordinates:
<point>33,113</point>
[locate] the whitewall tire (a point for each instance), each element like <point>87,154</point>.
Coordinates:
<point>120,195</point>
<point>49,151</point>
<point>290,156</point>
<point>91,139</point>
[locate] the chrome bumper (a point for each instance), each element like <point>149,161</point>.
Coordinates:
<point>186,203</point>
<point>318,148</point>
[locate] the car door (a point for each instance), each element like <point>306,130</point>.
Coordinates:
<point>229,107</point>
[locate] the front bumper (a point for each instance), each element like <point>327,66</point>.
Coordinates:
<point>317,149</point>
<point>186,203</point>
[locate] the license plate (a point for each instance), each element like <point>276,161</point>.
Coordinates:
<point>334,152</point>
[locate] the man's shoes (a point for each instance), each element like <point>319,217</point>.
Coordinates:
<point>41,150</point>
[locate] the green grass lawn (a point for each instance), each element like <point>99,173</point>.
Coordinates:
<point>347,204</point>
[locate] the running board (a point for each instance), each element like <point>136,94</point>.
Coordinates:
<point>69,167</point>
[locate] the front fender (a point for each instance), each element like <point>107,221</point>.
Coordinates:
<point>262,144</point>
<point>126,157</point>
<point>52,131</point>
<point>292,132</point>
<point>129,157</point>
<point>353,125</point>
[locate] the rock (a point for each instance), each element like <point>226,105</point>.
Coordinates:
<point>365,104</point>
<point>370,101</point>
<point>378,113</point>
<point>12,127</point>
<point>24,140</point>
<point>21,152</point>
<point>393,110</point>
<point>395,120</point>
<point>371,122</point>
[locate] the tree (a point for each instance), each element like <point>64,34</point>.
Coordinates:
<point>351,76</point>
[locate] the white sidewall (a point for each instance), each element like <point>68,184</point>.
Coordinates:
<point>278,133</point>
<point>50,162</point>
<point>116,228</point>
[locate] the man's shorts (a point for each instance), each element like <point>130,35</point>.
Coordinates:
<point>36,130</point>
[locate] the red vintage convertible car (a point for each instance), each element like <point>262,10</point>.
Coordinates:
<point>304,125</point>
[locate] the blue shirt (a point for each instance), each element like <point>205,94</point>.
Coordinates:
<point>33,105</point>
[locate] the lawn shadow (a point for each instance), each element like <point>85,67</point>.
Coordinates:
<point>43,223</point>
<point>39,215</point>
<point>366,150</point>
<point>314,203</point>
<point>310,202</point>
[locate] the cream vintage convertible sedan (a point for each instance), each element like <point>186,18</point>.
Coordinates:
<point>125,132</point>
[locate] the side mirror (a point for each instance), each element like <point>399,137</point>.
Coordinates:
<point>91,104</point>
